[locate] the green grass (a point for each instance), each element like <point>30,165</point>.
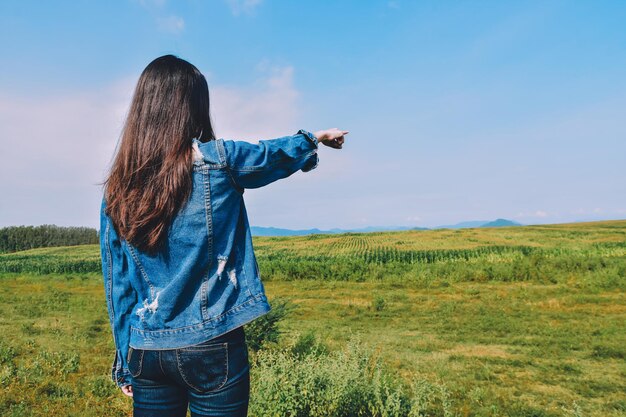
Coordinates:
<point>497,331</point>
<point>492,345</point>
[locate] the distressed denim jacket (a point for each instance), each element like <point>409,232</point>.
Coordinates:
<point>205,281</point>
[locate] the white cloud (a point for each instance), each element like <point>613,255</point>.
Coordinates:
<point>172,24</point>
<point>56,149</point>
<point>238,7</point>
<point>264,110</point>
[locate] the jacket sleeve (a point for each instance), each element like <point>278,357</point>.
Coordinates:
<point>255,165</point>
<point>120,297</point>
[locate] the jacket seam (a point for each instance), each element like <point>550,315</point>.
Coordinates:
<point>109,277</point>
<point>109,290</point>
<point>258,297</point>
<point>117,369</point>
<point>143,271</point>
<point>208,214</point>
<point>222,155</point>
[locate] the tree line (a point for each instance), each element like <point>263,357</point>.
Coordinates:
<point>17,238</point>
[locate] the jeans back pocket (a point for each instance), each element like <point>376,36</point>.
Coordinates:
<point>135,361</point>
<point>204,368</point>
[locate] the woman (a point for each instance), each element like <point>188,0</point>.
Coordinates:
<point>180,275</point>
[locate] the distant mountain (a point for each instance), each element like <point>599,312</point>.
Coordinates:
<point>501,223</point>
<point>276,231</point>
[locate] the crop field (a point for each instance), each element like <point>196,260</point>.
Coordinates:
<point>514,321</point>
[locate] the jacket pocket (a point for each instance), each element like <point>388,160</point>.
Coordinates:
<point>204,367</point>
<point>135,361</point>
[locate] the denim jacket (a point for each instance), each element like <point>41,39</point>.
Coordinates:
<point>205,281</point>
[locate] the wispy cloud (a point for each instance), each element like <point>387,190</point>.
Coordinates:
<point>238,7</point>
<point>172,24</point>
<point>169,24</point>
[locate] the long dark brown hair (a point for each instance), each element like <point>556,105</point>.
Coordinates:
<point>151,176</point>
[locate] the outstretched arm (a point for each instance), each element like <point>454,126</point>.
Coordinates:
<point>256,165</point>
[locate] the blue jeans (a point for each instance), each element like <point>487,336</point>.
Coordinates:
<point>212,378</point>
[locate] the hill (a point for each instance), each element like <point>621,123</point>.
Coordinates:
<point>501,223</point>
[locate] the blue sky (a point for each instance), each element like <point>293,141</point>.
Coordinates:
<point>456,110</point>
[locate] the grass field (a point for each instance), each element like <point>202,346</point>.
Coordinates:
<point>516,321</point>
